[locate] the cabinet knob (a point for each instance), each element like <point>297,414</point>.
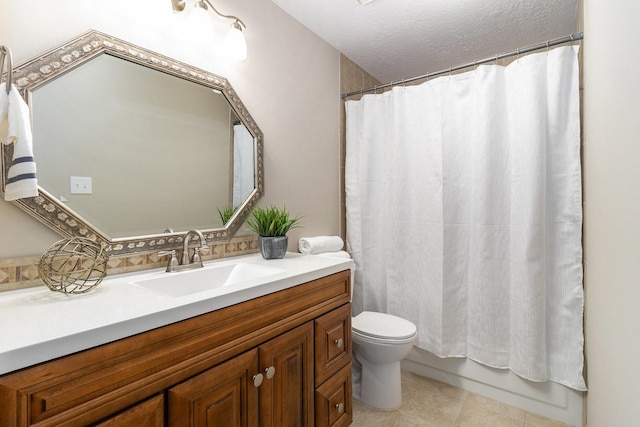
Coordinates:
<point>257,380</point>
<point>270,372</point>
<point>340,407</point>
<point>339,342</point>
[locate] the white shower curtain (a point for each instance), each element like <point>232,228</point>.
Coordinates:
<point>243,165</point>
<point>464,213</point>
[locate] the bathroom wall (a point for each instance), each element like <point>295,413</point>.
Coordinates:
<point>612,212</point>
<point>289,83</point>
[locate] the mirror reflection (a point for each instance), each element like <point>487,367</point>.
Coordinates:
<point>145,151</point>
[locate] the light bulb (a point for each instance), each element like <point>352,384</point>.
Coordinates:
<point>235,46</point>
<point>200,21</point>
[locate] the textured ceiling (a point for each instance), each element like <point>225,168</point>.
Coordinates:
<point>398,39</point>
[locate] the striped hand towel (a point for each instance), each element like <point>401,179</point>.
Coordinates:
<point>21,178</point>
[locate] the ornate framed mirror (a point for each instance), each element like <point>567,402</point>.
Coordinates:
<point>134,148</point>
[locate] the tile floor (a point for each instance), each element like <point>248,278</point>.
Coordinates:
<point>429,403</point>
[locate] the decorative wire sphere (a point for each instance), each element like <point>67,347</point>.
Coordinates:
<point>73,266</point>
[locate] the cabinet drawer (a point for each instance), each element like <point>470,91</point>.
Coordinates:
<point>332,342</point>
<point>149,413</point>
<point>333,400</point>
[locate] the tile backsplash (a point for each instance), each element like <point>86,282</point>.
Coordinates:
<point>17,273</point>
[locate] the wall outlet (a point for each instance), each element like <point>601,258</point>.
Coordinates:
<point>80,184</point>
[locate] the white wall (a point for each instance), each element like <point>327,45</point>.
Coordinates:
<point>612,211</point>
<point>289,83</point>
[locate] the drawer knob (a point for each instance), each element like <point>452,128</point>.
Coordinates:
<point>270,372</point>
<point>340,407</point>
<point>257,380</point>
<point>339,342</point>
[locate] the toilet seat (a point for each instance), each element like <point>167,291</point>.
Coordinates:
<point>382,327</point>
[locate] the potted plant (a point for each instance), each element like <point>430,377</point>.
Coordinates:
<point>225,214</point>
<point>272,224</point>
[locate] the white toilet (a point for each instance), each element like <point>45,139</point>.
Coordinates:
<point>380,342</point>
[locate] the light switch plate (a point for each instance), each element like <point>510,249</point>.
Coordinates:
<point>80,184</point>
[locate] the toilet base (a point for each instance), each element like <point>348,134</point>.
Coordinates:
<point>381,385</point>
<point>380,341</point>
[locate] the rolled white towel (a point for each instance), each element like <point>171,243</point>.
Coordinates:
<point>336,254</point>
<point>319,244</point>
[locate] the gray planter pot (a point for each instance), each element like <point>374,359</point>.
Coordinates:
<point>273,247</point>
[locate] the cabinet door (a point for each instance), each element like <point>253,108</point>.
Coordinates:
<point>149,413</point>
<point>332,342</point>
<point>286,396</point>
<point>333,400</point>
<point>224,395</point>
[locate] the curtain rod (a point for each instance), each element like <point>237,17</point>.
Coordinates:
<point>547,44</point>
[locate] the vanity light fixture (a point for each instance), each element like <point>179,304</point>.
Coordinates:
<point>235,46</point>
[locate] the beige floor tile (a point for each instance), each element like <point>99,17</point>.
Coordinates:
<point>413,420</point>
<point>499,407</point>
<point>430,403</point>
<point>436,402</point>
<point>477,416</point>
<point>536,421</point>
<point>367,417</point>
<point>432,387</point>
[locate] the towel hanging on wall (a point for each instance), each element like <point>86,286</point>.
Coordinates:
<point>21,179</point>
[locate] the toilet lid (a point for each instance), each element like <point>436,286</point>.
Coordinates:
<point>382,325</point>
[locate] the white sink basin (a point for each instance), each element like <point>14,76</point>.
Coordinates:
<point>207,278</point>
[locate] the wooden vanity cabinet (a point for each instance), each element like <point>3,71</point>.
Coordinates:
<point>252,364</point>
<point>275,381</point>
<point>333,368</point>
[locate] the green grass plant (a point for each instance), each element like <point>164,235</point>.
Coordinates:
<point>272,221</point>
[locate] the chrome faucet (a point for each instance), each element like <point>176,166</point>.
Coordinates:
<point>186,264</point>
<point>196,252</point>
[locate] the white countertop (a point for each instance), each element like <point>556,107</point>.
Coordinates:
<point>40,325</point>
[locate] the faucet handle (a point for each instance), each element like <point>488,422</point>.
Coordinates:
<point>173,261</point>
<point>196,257</point>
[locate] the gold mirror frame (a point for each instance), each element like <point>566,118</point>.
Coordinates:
<point>49,65</point>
